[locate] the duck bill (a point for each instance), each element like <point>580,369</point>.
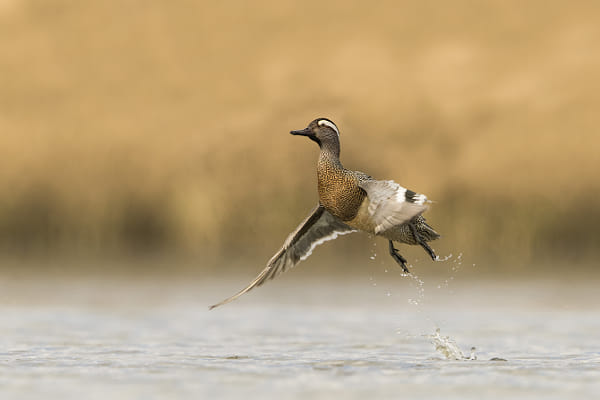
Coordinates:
<point>302,132</point>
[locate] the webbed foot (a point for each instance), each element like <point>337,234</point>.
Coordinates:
<point>398,258</point>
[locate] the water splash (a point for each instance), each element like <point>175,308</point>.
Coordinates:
<point>448,347</point>
<point>373,247</point>
<point>419,286</point>
<point>457,263</point>
<point>372,258</point>
<point>455,266</point>
<point>446,258</point>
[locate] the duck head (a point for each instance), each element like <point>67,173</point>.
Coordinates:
<point>321,130</point>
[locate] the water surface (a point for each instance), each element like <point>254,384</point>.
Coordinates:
<point>154,338</point>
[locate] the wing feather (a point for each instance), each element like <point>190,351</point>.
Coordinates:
<point>391,204</point>
<point>319,227</point>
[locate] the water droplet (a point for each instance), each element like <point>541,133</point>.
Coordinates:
<point>448,347</point>
<point>449,256</point>
<point>473,356</point>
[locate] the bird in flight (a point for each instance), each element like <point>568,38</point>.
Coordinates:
<point>349,201</point>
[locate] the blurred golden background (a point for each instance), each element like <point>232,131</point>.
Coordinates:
<point>159,130</point>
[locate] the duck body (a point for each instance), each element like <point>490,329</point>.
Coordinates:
<point>349,201</point>
<point>341,193</point>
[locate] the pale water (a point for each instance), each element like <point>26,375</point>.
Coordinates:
<point>295,338</point>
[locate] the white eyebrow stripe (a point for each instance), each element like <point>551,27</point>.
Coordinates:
<point>329,124</point>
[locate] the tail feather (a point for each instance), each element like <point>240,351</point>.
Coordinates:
<point>425,231</point>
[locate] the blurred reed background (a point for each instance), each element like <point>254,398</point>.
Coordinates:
<point>159,130</point>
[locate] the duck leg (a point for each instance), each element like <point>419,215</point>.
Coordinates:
<point>398,258</point>
<point>421,242</point>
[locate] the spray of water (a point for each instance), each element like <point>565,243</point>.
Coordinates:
<point>448,347</point>
<point>446,258</point>
<point>372,257</point>
<point>443,344</point>
<point>419,285</point>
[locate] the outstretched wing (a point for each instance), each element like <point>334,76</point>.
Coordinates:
<point>391,204</point>
<point>319,227</point>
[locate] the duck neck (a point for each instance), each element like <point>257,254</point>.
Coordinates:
<point>337,187</point>
<point>330,155</point>
<point>329,168</point>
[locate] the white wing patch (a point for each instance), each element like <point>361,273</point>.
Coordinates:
<point>420,199</point>
<point>329,124</point>
<point>322,240</point>
<point>389,203</point>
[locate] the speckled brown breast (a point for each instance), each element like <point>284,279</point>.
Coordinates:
<point>338,191</point>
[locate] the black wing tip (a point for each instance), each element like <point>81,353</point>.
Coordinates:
<point>410,196</point>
